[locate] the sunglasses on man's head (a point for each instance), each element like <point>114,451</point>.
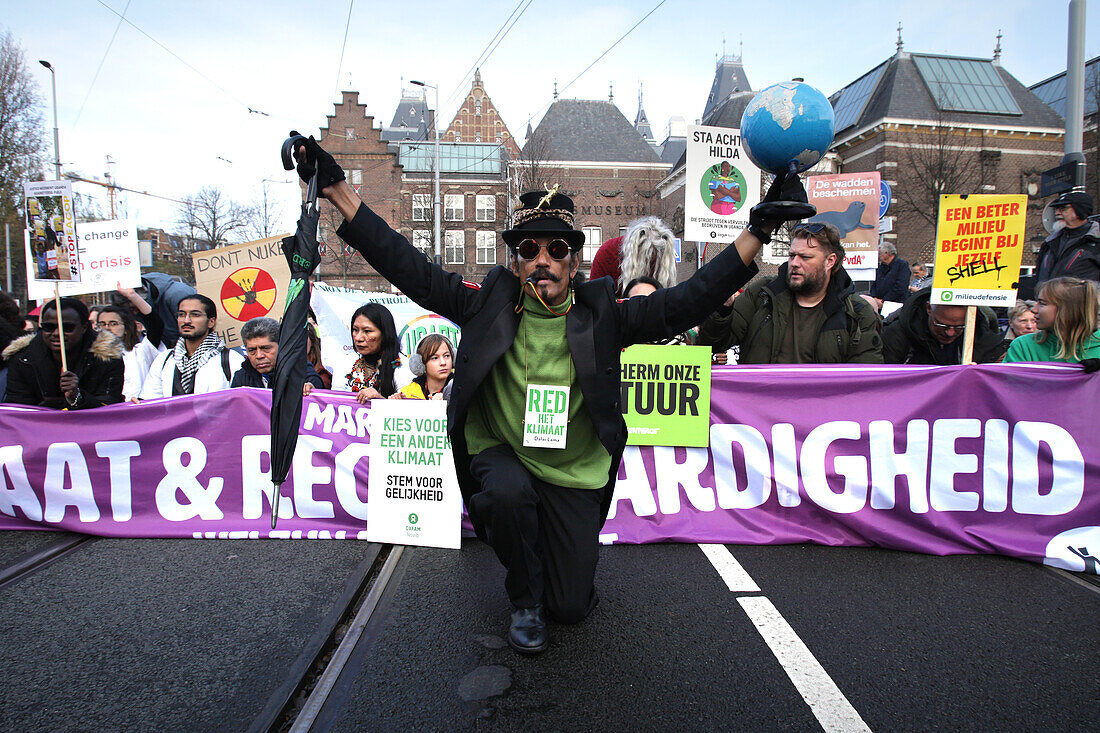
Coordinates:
<point>528,249</point>
<point>51,326</point>
<point>813,227</point>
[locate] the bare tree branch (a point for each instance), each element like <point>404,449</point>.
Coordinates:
<point>937,160</point>
<point>212,216</point>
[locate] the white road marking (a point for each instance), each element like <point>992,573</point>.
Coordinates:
<point>737,580</point>
<point>826,701</point>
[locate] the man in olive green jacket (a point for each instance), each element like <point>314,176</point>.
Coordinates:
<point>807,314</point>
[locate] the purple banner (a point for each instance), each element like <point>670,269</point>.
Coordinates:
<point>1000,459</point>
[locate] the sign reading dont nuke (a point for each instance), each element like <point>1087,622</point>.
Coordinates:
<point>245,281</point>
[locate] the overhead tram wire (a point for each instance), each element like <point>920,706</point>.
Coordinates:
<point>598,58</point>
<point>101,62</point>
<point>487,51</point>
<point>177,57</point>
<point>74,177</point>
<point>343,46</point>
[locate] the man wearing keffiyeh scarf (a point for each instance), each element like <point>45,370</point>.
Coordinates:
<point>208,348</point>
<point>187,369</point>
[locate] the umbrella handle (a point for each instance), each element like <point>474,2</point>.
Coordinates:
<point>288,150</point>
<point>287,153</point>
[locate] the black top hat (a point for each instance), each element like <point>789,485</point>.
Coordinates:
<point>1079,200</point>
<point>544,214</point>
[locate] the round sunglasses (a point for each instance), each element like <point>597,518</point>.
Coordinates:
<point>529,249</point>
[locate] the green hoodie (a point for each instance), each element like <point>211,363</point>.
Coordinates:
<point>539,355</point>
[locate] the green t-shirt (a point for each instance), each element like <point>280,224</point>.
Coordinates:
<point>800,337</point>
<point>539,355</point>
<point>1026,348</point>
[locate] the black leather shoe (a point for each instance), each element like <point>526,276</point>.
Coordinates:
<point>527,635</point>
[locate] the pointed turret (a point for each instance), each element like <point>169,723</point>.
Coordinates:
<point>641,122</point>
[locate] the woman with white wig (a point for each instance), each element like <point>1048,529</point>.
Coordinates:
<point>647,249</point>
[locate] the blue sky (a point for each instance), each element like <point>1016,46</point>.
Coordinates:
<point>165,125</point>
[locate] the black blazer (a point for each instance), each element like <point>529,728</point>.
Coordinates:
<point>598,327</point>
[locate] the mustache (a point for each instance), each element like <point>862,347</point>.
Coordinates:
<point>542,273</point>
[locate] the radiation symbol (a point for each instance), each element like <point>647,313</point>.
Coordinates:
<point>249,292</point>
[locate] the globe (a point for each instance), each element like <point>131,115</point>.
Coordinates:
<point>787,123</point>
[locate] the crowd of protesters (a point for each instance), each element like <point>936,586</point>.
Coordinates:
<point>538,326</point>
<point>809,312</point>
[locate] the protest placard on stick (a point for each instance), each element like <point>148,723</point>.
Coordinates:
<point>244,281</point>
<point>722,185</point>
<point>412,490</point>
<point>51,227</point>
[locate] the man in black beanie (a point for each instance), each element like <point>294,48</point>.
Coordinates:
<point>1074,248</point>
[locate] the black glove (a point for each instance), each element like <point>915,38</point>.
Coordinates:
<point>1090,365</point>
<point>317,159</point>
<point>785,187</point>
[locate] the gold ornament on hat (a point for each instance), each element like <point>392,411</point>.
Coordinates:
<point>545,200</point>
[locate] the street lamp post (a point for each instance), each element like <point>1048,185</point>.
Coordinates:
<point>438,205</point>
<point>56,151</point>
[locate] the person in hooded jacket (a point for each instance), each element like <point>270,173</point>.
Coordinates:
<point>807,314</point>
<point>95,369</point>
<point>1074,249</point>
<point>922,333</point>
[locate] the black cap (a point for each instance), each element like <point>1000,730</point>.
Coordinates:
<point>1079,200</point>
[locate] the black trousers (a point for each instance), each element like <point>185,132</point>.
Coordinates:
<point>546,536</point>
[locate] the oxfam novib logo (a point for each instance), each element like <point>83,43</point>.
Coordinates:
<point>947,296</point>
<point>414,519</point>
<point>723,188</point>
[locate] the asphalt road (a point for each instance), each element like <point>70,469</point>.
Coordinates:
<point>195,635</point>
<point>910,642</point>
<point>138,635</point>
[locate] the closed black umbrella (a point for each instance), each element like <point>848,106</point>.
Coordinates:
<point>290,364</point>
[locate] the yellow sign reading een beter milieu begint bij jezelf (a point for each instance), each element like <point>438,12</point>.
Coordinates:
<point>979,246</point>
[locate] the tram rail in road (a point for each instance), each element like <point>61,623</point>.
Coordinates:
<point>43,557</point>
<point>316,682</point>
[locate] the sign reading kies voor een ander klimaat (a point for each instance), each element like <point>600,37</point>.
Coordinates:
<point>979,245</point>
<point>666,395</point>
<point>412,490</point>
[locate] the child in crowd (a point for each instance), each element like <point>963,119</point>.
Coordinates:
<point>1066,316</point>
<point>433,365</point>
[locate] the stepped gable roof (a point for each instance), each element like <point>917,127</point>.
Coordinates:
<point>1053,90</point>
<point>589,130</point>
<point>932,87</point>
<point>729,78</point>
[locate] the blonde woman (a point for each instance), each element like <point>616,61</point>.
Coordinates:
<point>1066,316</point>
